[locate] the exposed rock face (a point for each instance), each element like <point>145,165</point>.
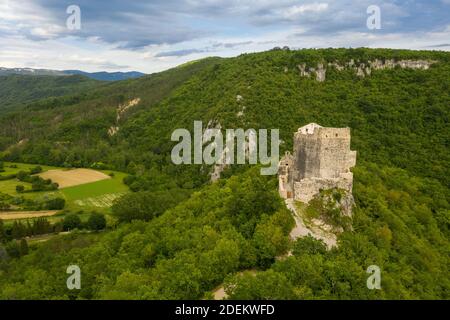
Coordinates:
<point>322,160</point>
<point>241,113</point>
<point>317,231</point>
<point>303,72</point>
<point>362,69</point>
<point>321,73</point>
<point>113,130</point>
<point>121,110</point>
<point>218,168</point>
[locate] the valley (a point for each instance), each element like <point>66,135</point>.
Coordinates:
<point>170,231</point>
<point>82,189</point>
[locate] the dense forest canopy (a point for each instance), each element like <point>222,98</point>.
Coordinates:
<point>15,90</point>
<point>179,237</point>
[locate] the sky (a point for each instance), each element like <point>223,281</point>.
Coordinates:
<point>155,35</point>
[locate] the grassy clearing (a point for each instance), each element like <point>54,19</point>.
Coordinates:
<point>87,197</point>
<point>96,195</point>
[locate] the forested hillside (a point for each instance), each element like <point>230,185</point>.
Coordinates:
<point>207,234</point>
<point>19,89</point>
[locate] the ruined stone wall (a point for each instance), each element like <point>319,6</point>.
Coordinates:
<point>306,189</point>
<point>322,160</point>
<point>285,176</point>
<point>306,156</point>
<point>335,155</point>
<point>322,152</point>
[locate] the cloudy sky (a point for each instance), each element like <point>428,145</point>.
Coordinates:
<point>154,35</point>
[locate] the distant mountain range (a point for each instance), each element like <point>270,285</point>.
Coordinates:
<point>107,76</point>
<point>103,75</point>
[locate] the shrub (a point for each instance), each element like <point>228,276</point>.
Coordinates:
<point>96,221</point>
<point>55,204</point>
<point>71,221</point>
<point>309,245</point>
<point>144,205</point>
<point>35,170</point>
<point>13,249</point>
<point>23,175</point>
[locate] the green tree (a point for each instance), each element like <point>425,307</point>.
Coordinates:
<point>309,245</point>
<point>71,221</point>
<point>96,221</point>
<point>268,285</point>
<point>55,204</point>
<point>18,230</point>
<point>144,205</point>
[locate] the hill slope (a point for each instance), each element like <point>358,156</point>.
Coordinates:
<point>398,112</point>
<point>20,89</point>
<point>398,116</point>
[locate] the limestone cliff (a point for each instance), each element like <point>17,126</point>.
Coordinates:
<point>361,69</point>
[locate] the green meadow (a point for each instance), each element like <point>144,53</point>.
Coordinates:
<point>97,196</point>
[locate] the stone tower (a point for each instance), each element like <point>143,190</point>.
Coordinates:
<point>322,160</point>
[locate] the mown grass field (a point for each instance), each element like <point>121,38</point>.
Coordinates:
<point>96,195</point>
<point>88,197</point>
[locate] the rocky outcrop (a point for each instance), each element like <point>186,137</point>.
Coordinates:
<point>318,231</point>
<point>122,109</point>
<point>218,168</point>
<point>362,69</point>
<point>239,100</point>
<point>321,73</point>
<point>120,112</point>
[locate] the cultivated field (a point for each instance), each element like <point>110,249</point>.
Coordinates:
<point>74,177</point>
<point>96,195</point>
<point>83,189</point>
<point>14,215</point>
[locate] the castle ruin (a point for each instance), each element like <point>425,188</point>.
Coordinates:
<point>321,160</point>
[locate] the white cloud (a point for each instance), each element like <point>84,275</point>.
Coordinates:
<point>31,36</point>
<point>28,17</point>
<point>295,11</point>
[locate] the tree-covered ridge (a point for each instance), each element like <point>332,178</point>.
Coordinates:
<point>182,254</point>
<point>401,223</point>
<point>399,128</point>
<point>81,121</point>
<point>16,90</point>
<point>398,117</point>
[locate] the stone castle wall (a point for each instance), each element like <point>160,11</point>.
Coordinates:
<point>322,160</point>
